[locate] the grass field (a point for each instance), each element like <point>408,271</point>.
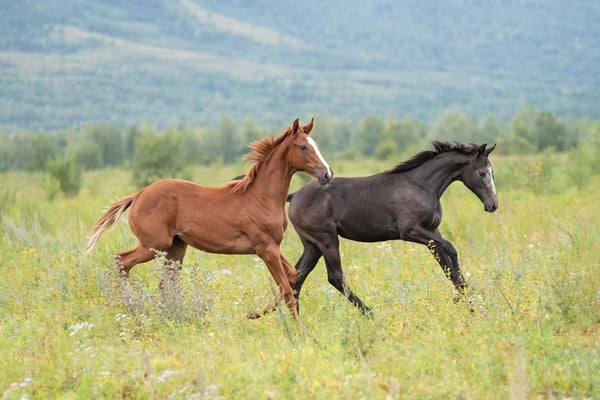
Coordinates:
<point>69,329</point>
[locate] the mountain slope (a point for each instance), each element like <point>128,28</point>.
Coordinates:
<point>189,61</point>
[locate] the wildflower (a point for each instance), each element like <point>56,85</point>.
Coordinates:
<point>77,327</point>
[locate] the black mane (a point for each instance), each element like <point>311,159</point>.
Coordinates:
<point>439,147</point>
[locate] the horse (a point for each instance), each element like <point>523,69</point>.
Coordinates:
<point>245,216</point>
<point>402,203</point>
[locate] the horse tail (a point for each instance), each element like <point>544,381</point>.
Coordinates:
<point>289,197</point>
<point>114,212</point>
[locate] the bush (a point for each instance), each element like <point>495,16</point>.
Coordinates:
<point>68,174</point>
<point>157,157</point>
<point>88,155</point>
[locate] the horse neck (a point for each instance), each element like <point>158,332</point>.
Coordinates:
<point>438,173</point>
<point>273,179</point>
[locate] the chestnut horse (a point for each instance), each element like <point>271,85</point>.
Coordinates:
<point>242,217</point>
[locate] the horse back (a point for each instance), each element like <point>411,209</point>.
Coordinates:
<point>346,206</point>
<point>366,209</point>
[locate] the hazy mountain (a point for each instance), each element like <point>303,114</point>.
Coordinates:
<point>65,63</point>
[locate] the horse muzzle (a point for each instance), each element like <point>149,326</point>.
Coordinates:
<point>491,206</point>
<point>324,176</point>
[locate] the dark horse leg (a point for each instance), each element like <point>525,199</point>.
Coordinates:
<point>444,253</point>
<point>305,265</point>
<point>335,275</point>
<point>328,245</point>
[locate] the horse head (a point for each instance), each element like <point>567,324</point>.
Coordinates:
<point>304,154</point>
<point>478,176</point>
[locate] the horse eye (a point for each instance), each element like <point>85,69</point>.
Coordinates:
<point>303,147</point>
<point>481,174</point>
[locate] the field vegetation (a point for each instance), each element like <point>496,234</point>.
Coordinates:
<point>69,328</point>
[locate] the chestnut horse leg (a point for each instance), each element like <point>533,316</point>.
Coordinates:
<point>141,254</point>
<point>175,253</point>
<point>128,259</point>
<point>282,274</point>
<point>291,277</point>
<point>290,271</point>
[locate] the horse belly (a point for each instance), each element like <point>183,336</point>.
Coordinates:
<point>220,245</point>
<point>216,235</point>
<point>367,230</point>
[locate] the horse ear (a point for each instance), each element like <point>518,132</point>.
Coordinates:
<point>481,150</point>
<point>309,127</point>
<point>488,151</point>
<point>295,126</point>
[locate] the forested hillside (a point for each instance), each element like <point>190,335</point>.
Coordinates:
<point>68,63</point>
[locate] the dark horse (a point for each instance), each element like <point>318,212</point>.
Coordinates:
<point>401,203</point>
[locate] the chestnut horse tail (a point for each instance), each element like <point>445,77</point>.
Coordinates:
<point>114,212</point>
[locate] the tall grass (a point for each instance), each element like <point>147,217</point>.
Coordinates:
<point>70,329</point>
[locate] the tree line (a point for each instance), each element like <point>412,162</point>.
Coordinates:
<point>152,155</point>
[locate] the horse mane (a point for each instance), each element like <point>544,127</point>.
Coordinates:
<point>439,147</point>
<point>261,150</point>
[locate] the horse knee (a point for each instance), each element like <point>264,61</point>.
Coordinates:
<point>128,259</point>
<point>292,276</point>
<point>451,251</point>
<point>337,282</point>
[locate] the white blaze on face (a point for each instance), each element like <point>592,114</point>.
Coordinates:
<point>491,185</point>
<point>316,148</point>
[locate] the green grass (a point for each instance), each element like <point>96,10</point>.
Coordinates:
<point>66,331</point>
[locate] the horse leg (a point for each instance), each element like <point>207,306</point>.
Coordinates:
<point>448,260</point>
<point>271,255</point>
<point>174,247</point>
<point>305,265</point>
<point>335,274</point>
<point>175,253</point>
<point>290,271</point>
<point>444,253</point>
<point>128,259</point>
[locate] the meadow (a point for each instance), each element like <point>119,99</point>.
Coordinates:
<point>69,328</point>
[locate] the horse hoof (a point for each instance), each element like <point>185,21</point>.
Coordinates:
<point>253,315</point>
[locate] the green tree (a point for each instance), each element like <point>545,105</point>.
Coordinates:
<point>490,130</point>
<point>369,134</point>
<point>230,139</point>
<point>68,173</point>
<point>522,126</point>
<point>386,149</point>
<point>157,157</point>
<point>86,154</point>
<point>130,137</point>
<point>250,132</point>
<point>7,153</point>
<point>110,140</point>
<point>548,132</point>
<point>453,125</point>
<point>32,152</point>
<point>407,133</point>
